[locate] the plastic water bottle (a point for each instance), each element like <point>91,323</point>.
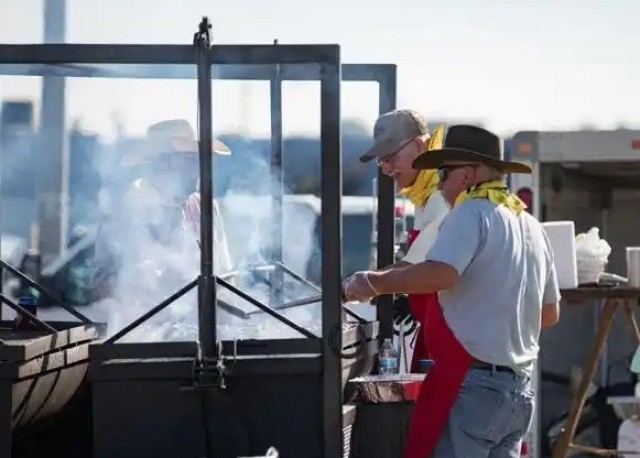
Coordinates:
<point>22,323</point>
<point>388,359</point>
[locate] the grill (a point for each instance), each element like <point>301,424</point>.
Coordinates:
<point>42,366</point>
<point>234,398</point>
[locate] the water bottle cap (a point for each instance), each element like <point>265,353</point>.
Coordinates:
<point>27,300</point>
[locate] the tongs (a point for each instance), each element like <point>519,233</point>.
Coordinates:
<point>310,300</point>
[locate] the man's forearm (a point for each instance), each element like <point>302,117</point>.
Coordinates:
<point>397,265</point>
<point>425,277</point>
<point>550,315</point>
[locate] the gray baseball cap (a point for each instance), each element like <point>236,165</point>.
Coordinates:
<point>392,129</point>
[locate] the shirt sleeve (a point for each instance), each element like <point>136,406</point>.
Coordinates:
<point>191,221</point>
<point>551,293</point>
<point>459,238</point>
<point>223,260</point>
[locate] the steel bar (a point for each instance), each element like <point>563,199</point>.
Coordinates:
<point>187,70</point>
<point>265,308</point>
<point>277,184</point>
<point>19,309</point>
<point>386,212</point>
<point>162,54</point>
<point>53,163</point>
<point>296,303</point>
<point>232,309</point>
<point>206,282</point>
<point>309,300</point>
<point>162,305</point>
<point>331,223</point>
<point>46,292</point>
<point>247,271</point>
<point>353,314</point>
<point>311,285</point>
<point>298,277</point>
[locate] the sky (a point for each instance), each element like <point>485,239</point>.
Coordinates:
<point>509,64</point>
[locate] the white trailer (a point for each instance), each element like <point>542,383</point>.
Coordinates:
<point>593,179</point>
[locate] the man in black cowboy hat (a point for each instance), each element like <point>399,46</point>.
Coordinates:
<point>492,266</point>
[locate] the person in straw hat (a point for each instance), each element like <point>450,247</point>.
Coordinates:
<point>492,266</point>
<point>163,203</point>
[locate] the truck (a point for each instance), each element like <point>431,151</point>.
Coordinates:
<point>593,179</point>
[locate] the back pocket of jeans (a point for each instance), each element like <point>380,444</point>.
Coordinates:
<point>483,412</point>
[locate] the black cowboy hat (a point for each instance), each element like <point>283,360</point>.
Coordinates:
<point>472,145</point>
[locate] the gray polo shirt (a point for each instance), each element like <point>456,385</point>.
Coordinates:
<point>506,269</point>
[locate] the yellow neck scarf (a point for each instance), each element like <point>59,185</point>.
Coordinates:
<point>498,193</point>
<point>427,180</point>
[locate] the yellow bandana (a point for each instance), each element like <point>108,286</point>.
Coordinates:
<point>427,181</point>
<point>498,193</point>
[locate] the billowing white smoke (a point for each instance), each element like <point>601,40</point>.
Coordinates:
<point>150,270</point>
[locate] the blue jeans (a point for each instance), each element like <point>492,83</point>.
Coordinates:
<point>490,417</point>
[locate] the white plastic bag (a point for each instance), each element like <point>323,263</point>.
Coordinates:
<point>592,255</point>
<point>589,246</point>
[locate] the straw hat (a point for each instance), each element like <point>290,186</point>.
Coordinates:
<point>169,137</point>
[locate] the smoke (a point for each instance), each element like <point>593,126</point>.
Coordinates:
<point>146,251</point>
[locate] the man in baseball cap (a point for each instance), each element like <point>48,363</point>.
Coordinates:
<point>400,136</point>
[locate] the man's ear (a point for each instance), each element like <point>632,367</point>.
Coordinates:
<point>470,176</point>
<point>422,144</point>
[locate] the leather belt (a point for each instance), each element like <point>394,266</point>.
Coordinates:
<point>490,367</point>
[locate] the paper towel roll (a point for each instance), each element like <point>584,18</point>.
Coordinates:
<point>562,237</point>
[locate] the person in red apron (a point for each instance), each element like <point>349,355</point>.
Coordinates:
<point>399,137</point>
<point>492,267</point>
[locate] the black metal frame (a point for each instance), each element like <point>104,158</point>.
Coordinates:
<point>250,62</point>
<point>383,74</point>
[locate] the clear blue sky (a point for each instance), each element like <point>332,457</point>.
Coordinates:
<point>512,64</point>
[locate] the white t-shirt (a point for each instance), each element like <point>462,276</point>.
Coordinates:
<point>427,220</point>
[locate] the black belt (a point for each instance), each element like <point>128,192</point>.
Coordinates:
<point>490,367</point>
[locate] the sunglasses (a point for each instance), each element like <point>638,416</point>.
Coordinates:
<point>445,170</point>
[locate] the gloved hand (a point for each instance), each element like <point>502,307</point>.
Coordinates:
<point>358,288</point>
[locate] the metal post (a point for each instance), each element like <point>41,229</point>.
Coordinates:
<point>1,154</point>
<point>386,213</point>
<point>331,217</point>
<point>277,185</point>
<point>206,283</point>
<point>53,157</point>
